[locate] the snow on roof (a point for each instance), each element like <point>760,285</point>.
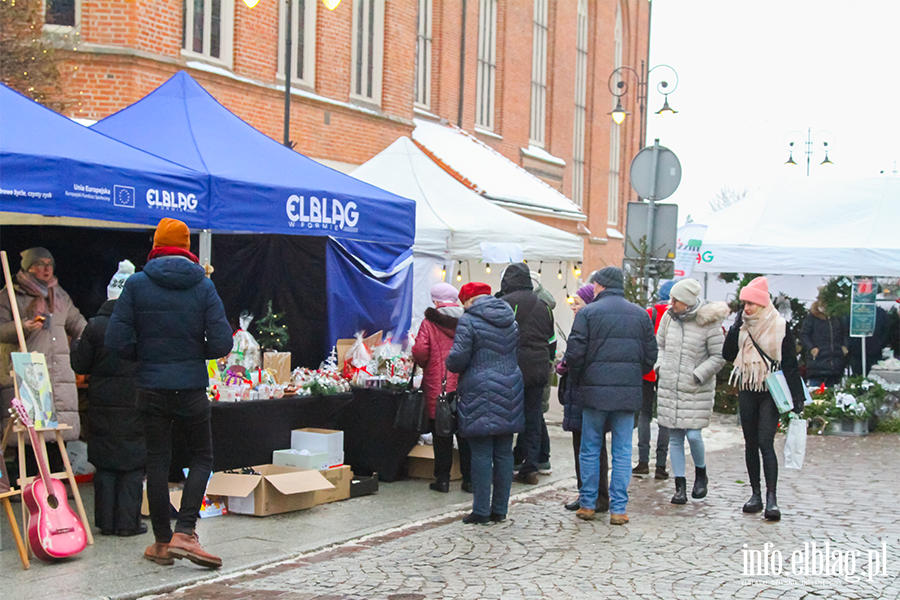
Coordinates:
<point>490,173</point>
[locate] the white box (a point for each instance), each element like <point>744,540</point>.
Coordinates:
<point>289,458</point>
<point>320,440</point>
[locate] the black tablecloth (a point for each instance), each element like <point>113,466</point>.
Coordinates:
<point>371,444</point>
<point>246,433</point>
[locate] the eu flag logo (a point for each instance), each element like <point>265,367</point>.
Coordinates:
<point>123,196</point>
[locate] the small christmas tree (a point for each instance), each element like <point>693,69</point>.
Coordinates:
<point>331,363</point>
<point>272,335</point>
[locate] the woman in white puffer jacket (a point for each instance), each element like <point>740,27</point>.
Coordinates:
<point>690,339</point>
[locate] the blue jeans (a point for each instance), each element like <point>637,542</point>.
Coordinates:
<point>676,449</point>
<point>593,425</point>
<point>492,462</point>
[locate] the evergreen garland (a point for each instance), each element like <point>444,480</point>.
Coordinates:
<point>271,334</point>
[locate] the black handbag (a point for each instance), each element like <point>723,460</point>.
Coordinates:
<point>445,423</point>
<point>411,412</point>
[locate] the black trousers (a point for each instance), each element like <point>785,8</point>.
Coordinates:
<point>759,421</point>
<point>534,420</point>
<point>443,456</point>
<point>161,411</point>
<point>543,455</point>
<point>117,500</point>
<point>604,464</point>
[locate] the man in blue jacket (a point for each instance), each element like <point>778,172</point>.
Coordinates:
<point>610,349</point>
<point>170,319</point>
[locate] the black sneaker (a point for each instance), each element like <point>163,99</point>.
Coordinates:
<point>497,518</point>
<point>661,473</point>
<point>642,468</point>
<point>473,519</point>
<point>574,505</point>
<point>467,487</point>
<point>440,486</point>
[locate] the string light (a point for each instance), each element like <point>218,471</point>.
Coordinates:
<point>540,267</point>
<point>487,269</point>
<point>578,269</point>
<point>443,273</point>
<point>459,274</point>
<point>559,275</point>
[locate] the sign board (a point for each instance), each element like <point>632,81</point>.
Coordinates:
<point>687,249</point>
<point>862,307</point>
<point>665,229</point>
<point>667,175</point>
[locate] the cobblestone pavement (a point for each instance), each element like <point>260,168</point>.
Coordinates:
<point>845,496</point>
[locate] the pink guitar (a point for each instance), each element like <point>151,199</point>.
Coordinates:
<point>54,530</point>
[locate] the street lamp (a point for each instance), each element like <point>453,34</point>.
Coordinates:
<point>289,21</point>
<point>621,88</point>
<point>808,148</point>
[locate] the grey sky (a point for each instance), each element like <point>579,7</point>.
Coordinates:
<point>752,72</point>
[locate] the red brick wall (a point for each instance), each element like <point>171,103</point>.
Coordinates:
<point>103,83</point>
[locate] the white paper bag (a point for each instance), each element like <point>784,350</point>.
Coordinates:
<point>795,444</point>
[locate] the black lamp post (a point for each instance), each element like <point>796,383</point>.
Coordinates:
<point>808,147</point>
<point>642,76</point>
<point>288,55</point>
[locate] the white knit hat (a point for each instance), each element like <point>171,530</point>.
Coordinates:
<point>686,290</point>
<point>117,283</point>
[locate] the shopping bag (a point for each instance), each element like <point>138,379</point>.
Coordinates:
<point>411,412</point>
<point>445,423</point>
<point>795,444</point>
<point>781,393</point>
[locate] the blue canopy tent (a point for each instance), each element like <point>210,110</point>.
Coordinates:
<point>51,166</point>
<point>259,186</point>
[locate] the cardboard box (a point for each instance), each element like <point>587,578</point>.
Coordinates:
<point>289,458</point>
<point>362,485</point>
<point>420,463</point>
<point>342,345</point>
<point>280,363</point>
<point>320,440</point>
<point>275,490</point>
<point>340,478</point>
<point>174,499</point>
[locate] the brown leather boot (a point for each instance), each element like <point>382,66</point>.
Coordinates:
<point>158,553</point>
<point>188,546</point>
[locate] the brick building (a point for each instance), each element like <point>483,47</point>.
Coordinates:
<point>534,71</point>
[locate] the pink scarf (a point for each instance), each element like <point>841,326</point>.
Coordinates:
<point>41,291</point>
<point>750,369</point>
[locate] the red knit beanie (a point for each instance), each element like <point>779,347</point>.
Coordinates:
<point>475,288</point>
<point>172,233</point>
<point>757,292</point>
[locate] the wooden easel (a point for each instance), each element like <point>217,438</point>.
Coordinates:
<point>12,426</point>
<point>14,525</point>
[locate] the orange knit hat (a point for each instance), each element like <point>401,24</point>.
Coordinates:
<point>172,232</point>
<point>757,292</point>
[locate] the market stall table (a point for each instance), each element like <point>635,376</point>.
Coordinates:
<point>246,433</point>
<point>371,444</point>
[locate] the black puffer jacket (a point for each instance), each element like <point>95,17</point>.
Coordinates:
<point>829,335</point>
<point>537,340</point>
<point>611,347</point>
<point>491,392</point>
<point>116,433</point>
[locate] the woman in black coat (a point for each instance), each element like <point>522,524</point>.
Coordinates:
<point>116,435</point>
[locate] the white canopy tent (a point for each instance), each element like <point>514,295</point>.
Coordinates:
<point>810,226</point>
<point>458,231</point>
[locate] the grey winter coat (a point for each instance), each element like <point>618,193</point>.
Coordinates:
<point>690,355</point>
<point>53,342</point>
<point>491,391</point>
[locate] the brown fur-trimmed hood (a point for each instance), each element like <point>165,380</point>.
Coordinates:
<point>816,311</point>
<point>444,321</point>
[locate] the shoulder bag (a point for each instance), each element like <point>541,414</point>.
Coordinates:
<point>411,412</point>
<point>445,423</point>
<point>776,382</point>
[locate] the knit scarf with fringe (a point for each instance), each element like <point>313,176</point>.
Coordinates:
<point>750,369</point>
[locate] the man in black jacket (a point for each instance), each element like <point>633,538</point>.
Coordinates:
<point>537,345</point>
<point>610,349</point>
<point>171,320</point>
